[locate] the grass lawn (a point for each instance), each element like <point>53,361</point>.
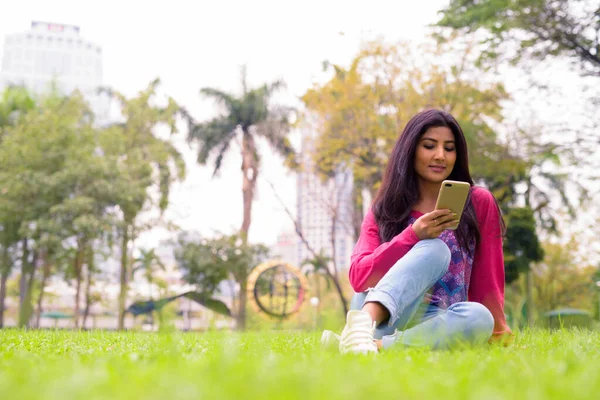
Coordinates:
<point>108,365</point>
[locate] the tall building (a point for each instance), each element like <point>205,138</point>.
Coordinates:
<point>324,209</point>
<point>54,53</point>
<point>286,248</point>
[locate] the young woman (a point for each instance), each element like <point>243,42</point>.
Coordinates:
<point>419,283</point>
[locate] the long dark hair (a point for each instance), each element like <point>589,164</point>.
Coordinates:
<point>399,190</point>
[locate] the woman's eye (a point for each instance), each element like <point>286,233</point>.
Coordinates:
<point>450,149</point>
<point>429,146</point>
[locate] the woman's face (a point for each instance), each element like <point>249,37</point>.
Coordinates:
<point>435,155</point>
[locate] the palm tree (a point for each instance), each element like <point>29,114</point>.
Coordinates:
<point>249,116</point>
<point>318,265</point>
<point>149,262</point>
<point>148,162</point>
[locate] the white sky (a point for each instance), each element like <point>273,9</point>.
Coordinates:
<point>193,44</point>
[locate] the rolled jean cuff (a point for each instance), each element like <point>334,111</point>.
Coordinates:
<point>386,300</point>
<point>389,340</point>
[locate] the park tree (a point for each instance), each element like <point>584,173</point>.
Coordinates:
<point>537,29</point>
<point>14,103</point>
<point>562,279</point>
<point>37,154</point>
<point>148,263</point>
<point>147,162</point>
<point>85,218</point>
<point>244,120</point>
<point>206,262</point>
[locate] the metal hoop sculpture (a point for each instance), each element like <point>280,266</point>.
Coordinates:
<point>276,288</point>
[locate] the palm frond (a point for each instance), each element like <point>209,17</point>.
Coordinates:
<point>273,87</point>
<point>222,98</point>
<point>220,155</point>
<point>276,130</point>
<point>213,136</point>
<point>244,79</point>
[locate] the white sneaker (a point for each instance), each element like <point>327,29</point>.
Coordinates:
<point>357,336</point>
<point>330,340</point>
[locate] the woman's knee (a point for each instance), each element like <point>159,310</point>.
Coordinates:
<point>480,320</point>
<point>437,252</point>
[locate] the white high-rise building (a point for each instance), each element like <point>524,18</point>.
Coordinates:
<point>54,53</point>
<point>286,248</point>
<point>324,210</point>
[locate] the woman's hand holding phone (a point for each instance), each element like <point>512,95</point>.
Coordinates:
<point>431,225</point>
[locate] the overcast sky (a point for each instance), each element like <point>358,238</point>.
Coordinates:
<point>193,44</point>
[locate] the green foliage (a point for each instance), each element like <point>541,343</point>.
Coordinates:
<point>204,299</point>
<point>148,262</point>
<point>253,112</point>
<point>360,111</point>
<point>14,103</point>
<point>562,280</point>
<point>146,161</point>
<point>55,188</point>
<point>206,262</point>
<point>521,245</point>
<point>538,28</point>
<point>196,260</point>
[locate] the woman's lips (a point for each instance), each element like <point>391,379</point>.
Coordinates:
<point>437,168</point>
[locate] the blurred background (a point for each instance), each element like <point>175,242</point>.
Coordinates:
<point>153,154</point>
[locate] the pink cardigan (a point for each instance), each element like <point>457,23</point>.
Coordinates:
<point>371,259</point>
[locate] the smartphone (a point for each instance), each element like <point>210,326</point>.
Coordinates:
<point>453,196</point>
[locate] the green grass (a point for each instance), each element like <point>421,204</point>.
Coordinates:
<point>105,365</point>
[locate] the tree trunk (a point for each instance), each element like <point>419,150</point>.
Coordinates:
<point>88,289</point>
<point>250,173</point>
<point>123,291</point>
<point>312,251</point>
<point>339,290</point>
<point>529,296</point>
<point>233,297</point>
<point>357,210</point>
<point>241,315</point>
<point>3,279</point>
<point>45,274</point>
<point>25,285</point>
<point>333,237</point>
<point>317,277</point>
<point>78,266</point>
<point>4,272</point>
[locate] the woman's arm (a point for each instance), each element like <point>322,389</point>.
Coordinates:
<point>487,278</point>
<point>371,259</point>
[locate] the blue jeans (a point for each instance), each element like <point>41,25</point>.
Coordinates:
<point>414,323</point>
